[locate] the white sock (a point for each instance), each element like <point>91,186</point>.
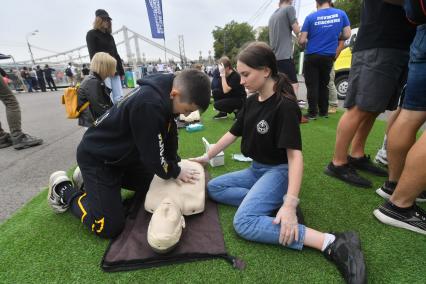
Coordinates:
<point>328,239</point>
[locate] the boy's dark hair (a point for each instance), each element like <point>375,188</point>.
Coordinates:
<point>194,86</point>
<point>320,2</point>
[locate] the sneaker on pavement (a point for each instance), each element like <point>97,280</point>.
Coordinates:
<point>53,198</point>
<point>5,141</point>
<point>388,187</point>
<point>220,115</point>
<point>346,253</point>
<point>23,141</point>
<point>347,174</point>
<point>413,218</point>
<point>381,157</point>
<point>365,164</point>
<point>77,179</point>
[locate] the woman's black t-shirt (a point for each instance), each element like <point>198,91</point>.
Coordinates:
<point>268,128</point>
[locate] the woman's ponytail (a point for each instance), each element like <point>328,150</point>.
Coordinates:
<point>283,86</point>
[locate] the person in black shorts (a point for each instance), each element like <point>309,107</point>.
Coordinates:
<point>378,74</point>
<point>407,175</point>
<point>270,134</point>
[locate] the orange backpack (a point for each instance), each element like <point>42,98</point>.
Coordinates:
<point>70,100</point>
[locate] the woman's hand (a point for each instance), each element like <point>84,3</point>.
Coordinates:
<point>221,70</point>
<point>204,159</point>
<point>289,227</point>
<point>286,216</point>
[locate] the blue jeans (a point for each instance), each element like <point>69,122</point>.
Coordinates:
<point>258,192</point>
<point>415,92</point>
<point>114,83</point>
<point>29,82</point>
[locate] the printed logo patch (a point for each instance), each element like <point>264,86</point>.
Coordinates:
<point>262,127</point>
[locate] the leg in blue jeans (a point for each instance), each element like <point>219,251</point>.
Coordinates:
<point>231,188</point>
<point>114,83</point>
<point>258,191</point>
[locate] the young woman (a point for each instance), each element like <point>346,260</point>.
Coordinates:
<point>100,39</point>
<point>269,127</point>
<point>93,89</point>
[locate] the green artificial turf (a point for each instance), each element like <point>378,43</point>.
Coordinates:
<point>38,246</point>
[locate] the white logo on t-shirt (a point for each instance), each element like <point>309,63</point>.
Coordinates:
<point>262,127</point>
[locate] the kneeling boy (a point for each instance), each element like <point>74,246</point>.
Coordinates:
<point>126,146</point>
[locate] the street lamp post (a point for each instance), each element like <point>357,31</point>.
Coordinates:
<point>29,46</point>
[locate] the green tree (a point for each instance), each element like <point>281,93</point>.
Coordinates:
<point>352,9</point>
<point>263,35</point>
<point>229,39</point>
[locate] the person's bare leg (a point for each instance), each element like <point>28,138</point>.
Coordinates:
<point>391,119</point>
<point>401,138</point>
<point>314,239</point>
<point>361,135</point>
<point>413,177</point>
<point>346,130</point>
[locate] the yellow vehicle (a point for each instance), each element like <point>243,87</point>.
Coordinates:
<point>342,66</point>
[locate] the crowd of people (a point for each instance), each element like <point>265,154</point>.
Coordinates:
<point>130,138</point>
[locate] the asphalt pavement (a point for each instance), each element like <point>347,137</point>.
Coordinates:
<point>24,173</point>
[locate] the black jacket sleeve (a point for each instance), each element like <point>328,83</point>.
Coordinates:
<point>91,44</point>
<point>82,95</point>
<point>149,127</point>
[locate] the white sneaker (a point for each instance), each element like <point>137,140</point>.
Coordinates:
<point>381,157</point>
<point>77,179</point>
<point>53,197</point>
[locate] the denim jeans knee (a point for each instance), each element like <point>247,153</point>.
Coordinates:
<point>253,219</point>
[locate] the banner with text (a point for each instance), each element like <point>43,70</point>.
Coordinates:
<point>155,14</point>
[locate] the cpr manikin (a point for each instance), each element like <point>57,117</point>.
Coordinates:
<point>169,201</point>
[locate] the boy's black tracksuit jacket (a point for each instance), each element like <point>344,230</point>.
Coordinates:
<point>138,130</point>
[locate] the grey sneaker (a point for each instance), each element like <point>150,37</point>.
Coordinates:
<point>77,179</point>
<point>53,198</point>
<point>5,141</point>
<point>23,141</point>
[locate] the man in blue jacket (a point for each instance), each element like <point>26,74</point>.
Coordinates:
<point>126,146</point>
